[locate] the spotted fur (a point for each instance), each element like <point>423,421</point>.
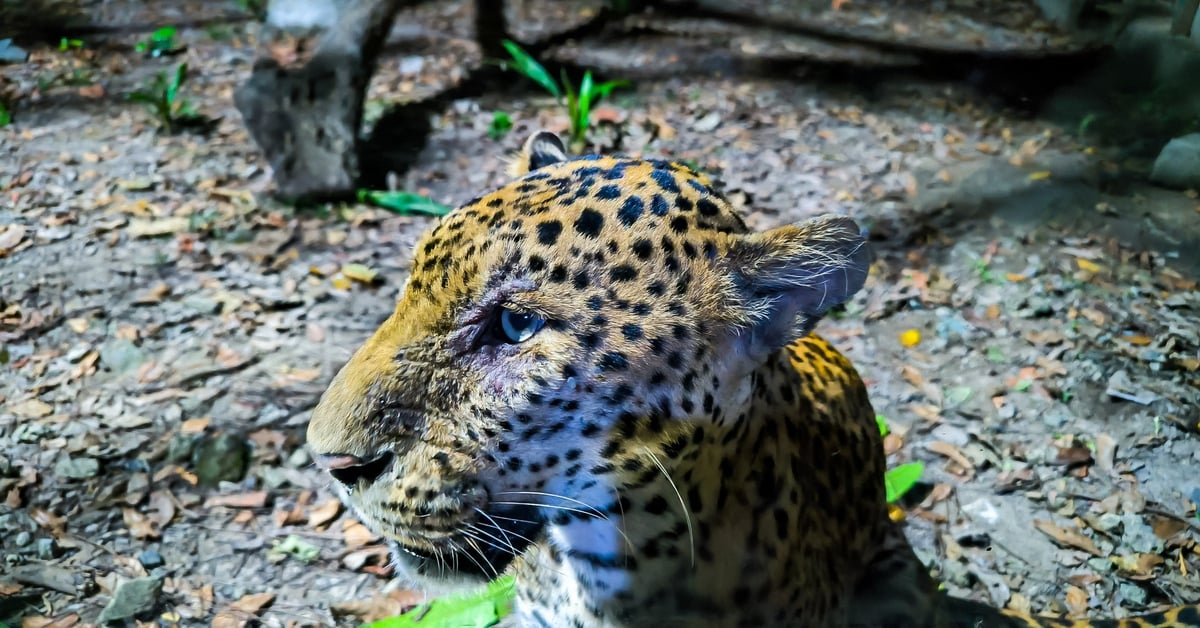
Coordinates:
<point>672,447</point>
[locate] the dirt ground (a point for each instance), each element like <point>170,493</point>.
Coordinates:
<point>1030,331</point>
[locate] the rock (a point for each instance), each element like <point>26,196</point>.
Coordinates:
<point>1133,594</point>
<point>182,447</point>
<point>299,459</point>
<point>1178,165</point>
<point>222,458</point>
<point>151,558</point>
<point>76,468</point>
<point>1122,387</point>
<point>22,539</point>
<point>204,305</point>
<point>302,16</point>
<point>12,53</point>
<point>47,549</point>
<point>120,355</point>
<point>132,598</point>
<point>1139,536</point>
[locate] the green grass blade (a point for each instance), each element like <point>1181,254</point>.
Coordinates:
<point>403,203</point>
<point>604,89</point>
<point>479,610</point>
<point>530,67</point>
<point>583,111</point>
<point>900,480</point>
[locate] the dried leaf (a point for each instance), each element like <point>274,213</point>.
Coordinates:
<point>356,534</point>
<point>910,338</point>
<point>360,272</point>
<point>195,426</point>
<point>31,408</point>
<point>1067,538</point>
<point>1077,601</point>
<point>1106,452</point>
<point>254,499</point>
<point>11,236</point>
<point>140,526</point>
<point>322,514</point>
<point>163,506</point>
<point>381,606</point>
<point>253,603</point>
<point>950,451</point>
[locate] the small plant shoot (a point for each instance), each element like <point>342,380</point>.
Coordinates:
<point>579,101</point>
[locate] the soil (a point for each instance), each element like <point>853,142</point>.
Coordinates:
<point>1030,331</point>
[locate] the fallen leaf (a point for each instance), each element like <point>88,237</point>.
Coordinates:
<point>163,506</point>
<point>381,606</point>
<point>1088,265</point>
<point>356,534</point>
<point>291,517</point>
<point>1077,601</point>
<point>140,526</point>
<point>950,451</point>
<point>1167,527</point>
<point>360,272</point>
<point>357,559</point>
<point>153,228</point>
<point>322,514</point>
<point>253,603</point>
<point>153,295</point>
<point>195,426</point>
<point>11,236</point>
<point>254,499</point>
<point>1040,175</point>
<point>910,338</point>
<point>1106,452</point>
<point>31,408</point>
<point>1067,538</point>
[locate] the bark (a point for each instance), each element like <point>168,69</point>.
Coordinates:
<point>306,120</point>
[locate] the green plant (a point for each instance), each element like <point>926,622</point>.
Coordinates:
<point>66,43</point>
<point>5,115</point>
<point>501,125</point>
<point>161,97</point>
<point>479,610</point>
<point>161,42</point>
<point>900,480</point>
<point>404,203</point>
<point>579,101</point>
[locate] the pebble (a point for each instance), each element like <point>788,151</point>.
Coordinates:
<point>132,598</point>
<point>76,468</point>
<point>22,539</point>
<point>151,558</point>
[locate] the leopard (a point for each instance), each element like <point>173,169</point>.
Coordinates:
<point>598,381</point>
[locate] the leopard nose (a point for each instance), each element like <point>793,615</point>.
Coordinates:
<point>349,469</point>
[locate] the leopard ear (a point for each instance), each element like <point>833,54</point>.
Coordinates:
<point>787,278</point>
<point>541,149</point>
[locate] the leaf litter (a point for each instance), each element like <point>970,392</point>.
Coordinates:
<point>161,296</point>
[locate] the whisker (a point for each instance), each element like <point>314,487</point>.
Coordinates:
<point>489,518</point>
<point>686,515</point>
<point>496,542</point>
<point>555,495</point>
<point>566,508</point>
<point>479,528</point>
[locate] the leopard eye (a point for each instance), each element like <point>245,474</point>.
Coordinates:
<point>517,327</point>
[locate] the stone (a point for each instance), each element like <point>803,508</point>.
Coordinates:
<point>76,468</point>
<point>120,355</point>
<point>221,458</point>
<point>132,598</point>
<point>1178,165</point>
<point>151,559</point>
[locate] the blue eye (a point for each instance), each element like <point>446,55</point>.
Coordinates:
<point>517,327</point>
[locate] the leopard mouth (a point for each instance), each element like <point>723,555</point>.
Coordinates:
<point>481,549</point>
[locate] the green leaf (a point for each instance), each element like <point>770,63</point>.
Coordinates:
<point>1023,385</point>
<point>501,124</point>
<point>478,610</point>
<point>166,33</point>
<point>297,548</point>
<point>404,203</point>
<point>5,115</point>
<point>584,107</point>
<point>881,421</point>
<point>177,82</point>
<point>604,89</point>
<point>900,480</point>
<point>529,66</point>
